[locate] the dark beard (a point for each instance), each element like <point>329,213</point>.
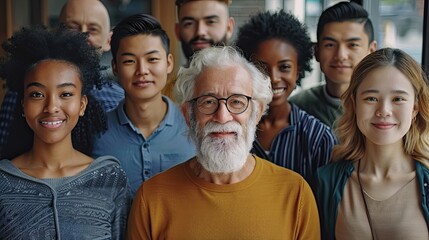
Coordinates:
<point>189,52</point>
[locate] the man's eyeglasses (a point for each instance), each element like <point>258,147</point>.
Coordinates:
<point>207,104</point>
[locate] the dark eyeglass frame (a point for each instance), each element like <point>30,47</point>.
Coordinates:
<point>195,102</point>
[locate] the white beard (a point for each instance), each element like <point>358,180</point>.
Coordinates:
<point>223,155</point>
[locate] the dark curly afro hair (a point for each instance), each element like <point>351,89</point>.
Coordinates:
<point>30,46</point>
<point>278,25</point>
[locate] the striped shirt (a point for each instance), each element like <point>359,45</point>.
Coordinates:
<point>303,146</point>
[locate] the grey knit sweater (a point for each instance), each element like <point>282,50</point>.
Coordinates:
<point>91,205</point>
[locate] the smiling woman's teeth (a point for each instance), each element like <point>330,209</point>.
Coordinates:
<point>278,90</point>
<point>52,123</point>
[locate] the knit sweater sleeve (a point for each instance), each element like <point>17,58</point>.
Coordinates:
<point>122,203</point>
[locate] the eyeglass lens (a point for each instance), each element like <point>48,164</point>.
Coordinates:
<point>236,103</point>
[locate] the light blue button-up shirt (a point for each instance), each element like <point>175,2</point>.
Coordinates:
<point>142,158</point>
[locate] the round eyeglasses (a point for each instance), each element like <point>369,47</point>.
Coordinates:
<point>208,104</point>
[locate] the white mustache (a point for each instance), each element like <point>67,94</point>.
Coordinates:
<point>217,127</point>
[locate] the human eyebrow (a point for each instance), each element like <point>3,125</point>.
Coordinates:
<point>62,85</point>
<point>329,39</point>
<point>369,91</point>
<point>187,18</point>
<point>286,60</point>
<point>67,84</point>
<point>152,52</point>
<point>95,25</point>
<point>35,84</point>
<point>128,54</point>
<point>377,91</point>
<point>133,55</point>
<point>400,92</point>
<point>354,39</point>
<point>210,93</point>
<point>71,22</point>
<point>211,17</point>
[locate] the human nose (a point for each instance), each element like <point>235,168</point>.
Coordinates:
<point>201,28</point>
<point>384,109</point>
<point>142,68</point>
<point>83,28</point>
<point>342,53</point>
<point>274,75</point>
<point>52,105</point>
<point>222,114</point>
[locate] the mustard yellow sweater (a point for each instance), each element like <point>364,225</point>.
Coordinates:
<point>272,203</point>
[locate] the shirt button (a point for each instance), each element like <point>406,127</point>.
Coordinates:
<point>146,172</point>
<point>145,145</point>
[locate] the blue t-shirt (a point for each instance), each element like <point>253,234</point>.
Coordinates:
<point>142,158</point>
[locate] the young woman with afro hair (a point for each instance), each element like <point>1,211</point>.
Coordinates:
<point>280,45</point>
<point>49,187</point>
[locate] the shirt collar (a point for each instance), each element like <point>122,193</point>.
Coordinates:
<point>169,119</point>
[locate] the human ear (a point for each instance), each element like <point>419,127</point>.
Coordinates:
<point>416,110</point>
<point>83,104</point>
<point>107,46</point>
<point>316,51</point>
<point>230,28</point>
<point>170,63</point>
<point>114,68</point>
<point>260,112</point>
<point>372,46</point>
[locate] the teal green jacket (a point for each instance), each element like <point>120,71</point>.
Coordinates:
<point>330,182</point>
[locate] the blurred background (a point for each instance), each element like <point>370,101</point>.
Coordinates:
<point>398,23</point>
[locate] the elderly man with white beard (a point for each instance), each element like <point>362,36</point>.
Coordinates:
<point>224,192</point>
